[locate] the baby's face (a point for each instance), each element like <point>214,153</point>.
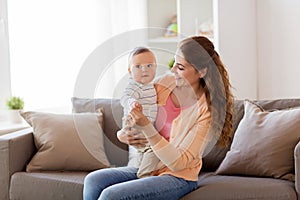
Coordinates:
<point>143,67</point>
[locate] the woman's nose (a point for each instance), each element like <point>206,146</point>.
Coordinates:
<point>173,68</point>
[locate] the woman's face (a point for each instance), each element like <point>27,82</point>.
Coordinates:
<point>185,73</point>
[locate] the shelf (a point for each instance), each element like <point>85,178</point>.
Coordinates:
<point>9,127</point>
<point>164,40</point>
<point>191,14</point>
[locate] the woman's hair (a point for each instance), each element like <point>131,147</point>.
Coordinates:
<point>200,53</point>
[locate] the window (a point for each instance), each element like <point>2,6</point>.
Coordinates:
<point>50,40</point>
<point>4,56</point>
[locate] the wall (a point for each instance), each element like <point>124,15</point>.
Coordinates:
<point>237,44</point>
<point>5,88</point>
<point>259,43</point>
<point>278,31</point>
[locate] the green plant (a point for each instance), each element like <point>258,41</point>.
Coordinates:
<point>15,103</point>
<point>171,63</point>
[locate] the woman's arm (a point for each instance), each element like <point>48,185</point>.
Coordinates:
<point>181,156</point>
<point>132,137</point>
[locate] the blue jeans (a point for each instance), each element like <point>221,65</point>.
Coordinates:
<point>122,183</point>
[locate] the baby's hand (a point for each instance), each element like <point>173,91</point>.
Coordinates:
<point>135,105</point>
<point>138,106</point>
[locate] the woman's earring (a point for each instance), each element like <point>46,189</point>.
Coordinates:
<point>203,72</point>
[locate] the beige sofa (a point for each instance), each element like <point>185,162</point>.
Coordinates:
<point>16,149</point>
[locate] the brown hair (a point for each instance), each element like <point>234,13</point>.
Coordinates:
<point>137,51</point>
<point>200,53</point>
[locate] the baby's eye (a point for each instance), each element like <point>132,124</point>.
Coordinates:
<point>149,65</point>
<point>138,66</point>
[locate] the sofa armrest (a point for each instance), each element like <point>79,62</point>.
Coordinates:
<point>16,149</point>
<point>297,169</point>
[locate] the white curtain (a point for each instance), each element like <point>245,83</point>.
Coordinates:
<point>51,39</point>
<point>5,89</point>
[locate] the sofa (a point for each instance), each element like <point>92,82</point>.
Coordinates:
<point>17,148</point>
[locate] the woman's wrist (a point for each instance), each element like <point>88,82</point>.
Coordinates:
<point>143,121</point>
<point>148,130</point>
<point>121,136</point>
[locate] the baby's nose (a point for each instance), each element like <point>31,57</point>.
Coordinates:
<point>144,68</point>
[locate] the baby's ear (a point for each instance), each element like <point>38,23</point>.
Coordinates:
<point>129,70</point>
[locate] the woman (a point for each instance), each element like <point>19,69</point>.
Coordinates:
<point>194,109</point>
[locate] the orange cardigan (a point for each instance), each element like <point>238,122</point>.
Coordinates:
<point>182,155</point>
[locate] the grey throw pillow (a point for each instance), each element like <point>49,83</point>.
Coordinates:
<point>67,142</point>
<point>116,151</point>
<point>263,144</point>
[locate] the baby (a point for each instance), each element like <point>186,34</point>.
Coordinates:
<point>140,92</point>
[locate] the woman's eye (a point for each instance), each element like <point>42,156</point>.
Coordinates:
<point>180,67</point>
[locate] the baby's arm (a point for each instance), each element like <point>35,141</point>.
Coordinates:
<point>130,95</point>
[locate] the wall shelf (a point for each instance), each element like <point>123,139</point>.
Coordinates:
<point>164,40</point>
<point>190,15</point>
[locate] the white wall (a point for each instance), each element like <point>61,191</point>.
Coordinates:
<point>259,42</point>
<point>5,88</point>
<point>278,31</point>
<point>237,44</point>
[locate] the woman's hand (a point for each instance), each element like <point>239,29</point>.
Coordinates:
<point>132,137</point>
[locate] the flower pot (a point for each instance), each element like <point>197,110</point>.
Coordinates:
<point>15,117</point>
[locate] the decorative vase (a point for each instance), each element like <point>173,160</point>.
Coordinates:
<point>15,116</point>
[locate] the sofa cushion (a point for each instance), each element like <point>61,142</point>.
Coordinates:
<point>212,187</point>
<point>116,151</point>
<point>57,185</point>
<point>264,143</point>
<point>214,158</point>
<point>67,141</point>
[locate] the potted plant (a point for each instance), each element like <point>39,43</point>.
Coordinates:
<point>171,63</point>
<point>15,105</point>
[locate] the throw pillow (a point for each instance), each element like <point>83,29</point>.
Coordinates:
<point>263,144</point>
<point>112,112</point>
<point>67,142</point>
